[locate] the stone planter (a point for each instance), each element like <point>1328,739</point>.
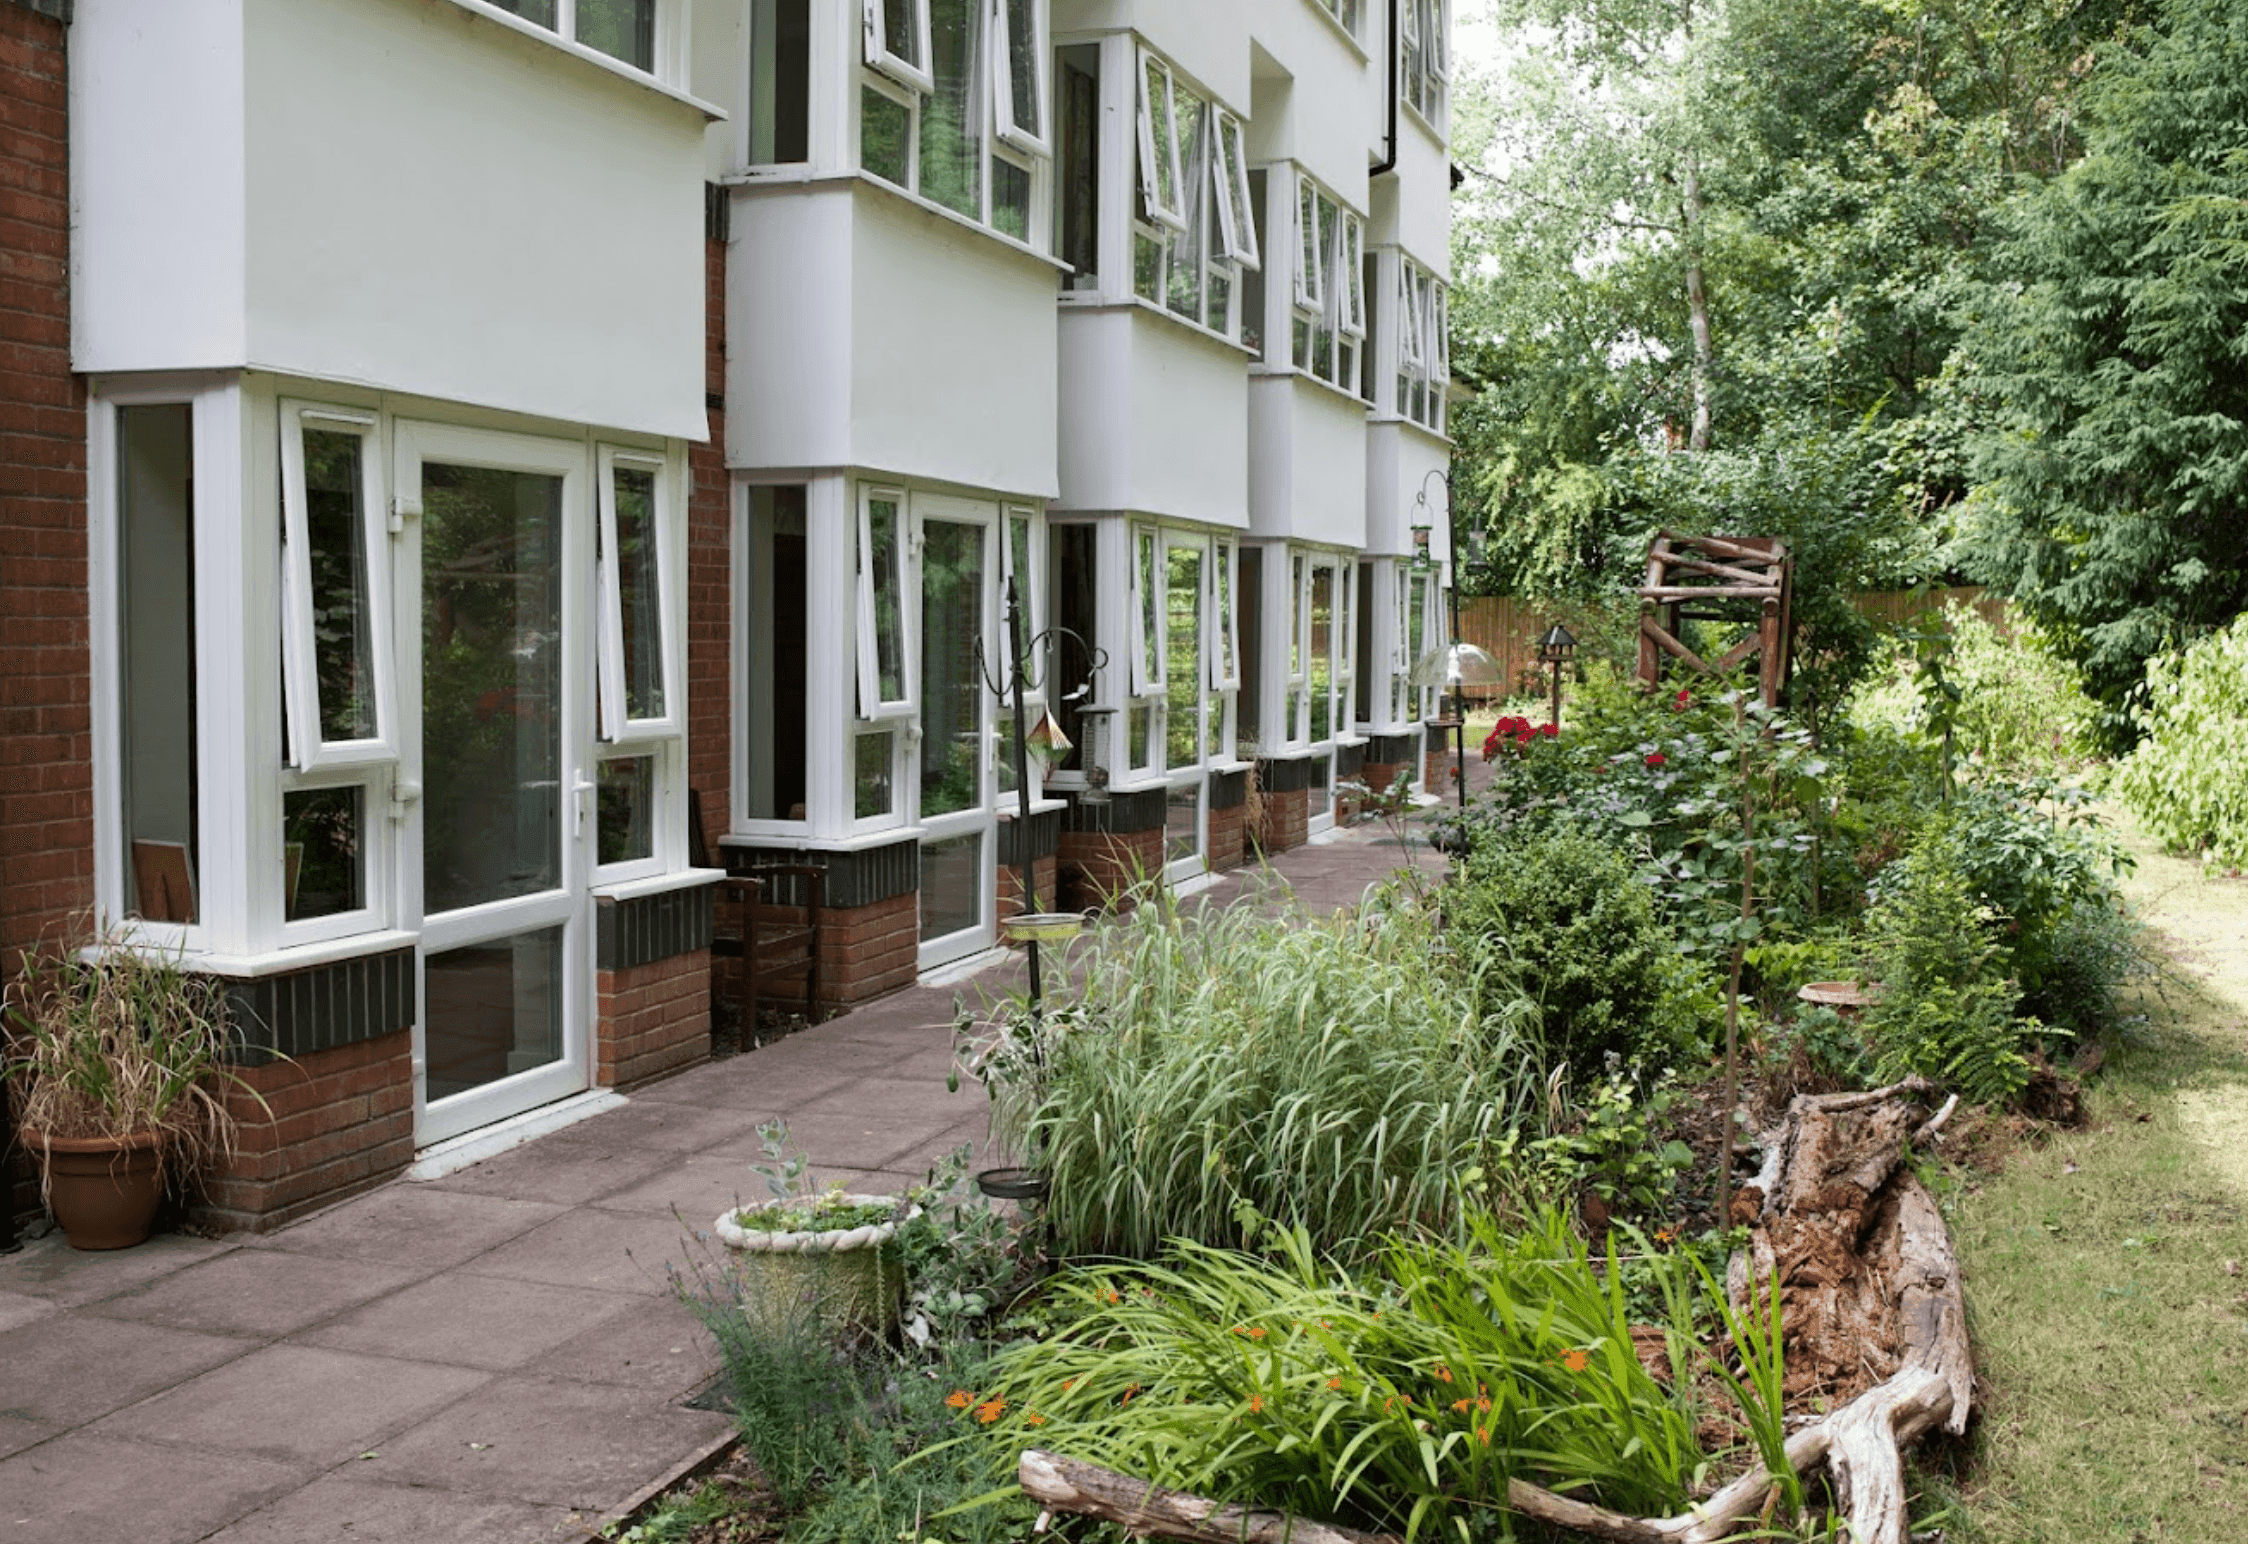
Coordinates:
<point>835,1278</point>
<point>104,1190</point>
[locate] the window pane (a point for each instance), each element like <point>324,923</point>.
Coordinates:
<point>622,29</point>
<point>1010,198</point>
<point>889,609</point>
<point>1322,652</point>
<point>1077,176</point>
<point>900,38</point>
<point>156,663</point>
<point>493,1010</point>
<point>323,852</point>
<point>1182,824</point>
<point>952,688</point>
<point>1183,724</point>
<point>343,649</point>
<point>1022,65</point>
<point>885,135</point>
<point>1151,610</point>
<point>627,796</point>
<point>1163,133</point>
<point>491,684</point>
<point>951,885</point>
<point>1185,289</point>
<point>952,118</point>
<point>1141,732</point>
<point>1147,265</point>
<point>775,619</point>
<point>1226,560</point>
<point>780,73</point>
<point>538,11</point>
<point>1075,565</point>
<point>873,784</point>
<point>640,592</point>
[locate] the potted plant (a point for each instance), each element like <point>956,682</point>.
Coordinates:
<point>112,1054</point>
<point>807,1253</point>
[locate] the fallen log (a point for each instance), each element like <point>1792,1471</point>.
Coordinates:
<point>1071,1485</point>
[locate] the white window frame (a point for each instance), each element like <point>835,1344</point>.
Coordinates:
<point>308,752</point>
<point>1423,347</point>
<point>872,706</point>
<point>1237,226</point>
<point>1225,605</point>
<point>616,727</point>
<point>1153,156</point>
<point>1036,140</point>
<point>1330,286</point>
<point>1030,591</point>
<point>1209,224</point>
<point>1146,688</point>
<point>906,72</point>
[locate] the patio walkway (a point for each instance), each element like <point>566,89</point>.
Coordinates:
<point>488,1357</point>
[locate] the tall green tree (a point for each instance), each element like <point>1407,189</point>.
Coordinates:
<point>2112,361</point>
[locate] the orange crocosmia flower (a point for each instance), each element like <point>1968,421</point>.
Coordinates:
<point>960,1399</point>
<point>1068,1384</point>
<point>1257,1334</point>
<point>1334,1383</point>
<point>1034,1419</point>
<point>1256,1403</point>
<point>1483,1405</point>
<point>1483,1435</point>
<point>1459,1406</point>
<point>1443,1373</point>
<point>989,1410</point>
<point>1129,1390</point>
<point>1576,1361</point>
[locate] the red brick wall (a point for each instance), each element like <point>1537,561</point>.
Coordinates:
<point>869,951</point>
<point>1228,838</point>
<point>710,576</point>
<point>1378,775</point>
<point>652,1019</point>
<point>333,1122</point>
<point>1439,769</point>
<point>1045,878</point>
<point>1099,868</point>
<point>1287,820</point>
<point>46,767</point>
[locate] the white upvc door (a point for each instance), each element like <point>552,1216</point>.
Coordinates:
<point>494,794</point>
<point>957,607</point>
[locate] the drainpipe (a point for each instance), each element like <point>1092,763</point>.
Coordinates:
<point>1388,162</point>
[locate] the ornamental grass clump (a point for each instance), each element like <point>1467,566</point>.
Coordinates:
<point>1332,1074</point>
<point>1404,1400</point>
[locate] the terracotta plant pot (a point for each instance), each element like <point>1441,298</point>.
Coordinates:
<point>104,1190</point>
<point>837,1277</point>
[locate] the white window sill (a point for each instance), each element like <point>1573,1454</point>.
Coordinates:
<point>860,841</point>
<point>1039,805</point>
<point>657,884</point>
<point>866,181</point>
<point>1435,134</point>
<point>630,74</point>
<point>1399,420</point>
<point>279,962</point>
<point>1281,372</point>
<point>1193,329</point>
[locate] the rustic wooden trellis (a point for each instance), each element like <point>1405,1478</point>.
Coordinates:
<point>1745,579</point>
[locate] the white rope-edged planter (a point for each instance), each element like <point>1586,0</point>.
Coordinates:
<point>816,1241</point>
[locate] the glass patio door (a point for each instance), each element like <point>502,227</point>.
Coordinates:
<point>959,840</point>
<point>494,800</point>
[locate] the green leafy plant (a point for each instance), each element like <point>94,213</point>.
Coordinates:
<point>1606,1145</point>
<point>2187,780</point>
<point>1316,1069</point>
<point>959,1255</point>
<point>798,1203</point>
<point>2003,699</point>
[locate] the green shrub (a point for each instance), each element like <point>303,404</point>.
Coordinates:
<point>2019,709</point>
<point>1402,1403</point>
<point>1242,1064</point>
<point>2187,780</point>
<point>1592,957</point>
<point>1946,1007</point>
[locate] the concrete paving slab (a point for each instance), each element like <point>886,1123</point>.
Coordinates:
<point>103,1490</point>
<point>566,1169</point>
<point>71,1368</point>
<point>258,1293</point>
<point>467,1321</point>
<point>412,1227</point>
<point>660,1347</point>
<point>666,1126</point>
<point>342,1506</point>
<point>699,1187</point>
<point>871,1124</point>
<point>51,1269</point>
<point>776,1075</point>
<point>294,1402</point>
<point>21,1308</point>
<point>553,1443</point>
<point>599,1250</point>
<point>16,1434</point>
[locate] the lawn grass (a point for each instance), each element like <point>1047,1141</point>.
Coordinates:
<point>2100,1265</point>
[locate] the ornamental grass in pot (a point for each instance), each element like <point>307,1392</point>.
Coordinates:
<point>115,1057</point>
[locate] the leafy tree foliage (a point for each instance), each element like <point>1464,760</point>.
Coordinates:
<point>2114,363</point>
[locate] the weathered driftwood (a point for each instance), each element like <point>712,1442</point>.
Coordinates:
<point>1859,1250</point>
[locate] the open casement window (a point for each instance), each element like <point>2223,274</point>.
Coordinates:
<point>335,591</point>
<point>1022,563</point>
<point>885,670</point>
<point>1237,226</point>
<point>638,690</point>
<point>1225,580</point>
<point>897,41</point>
<point>1330,313</point>
<point>1147,612</point>
<point>1018,67</point>
<point>1424,59</point>
<point>1162,178</point>
<point>1311,252</point>
<point>1422,347</point>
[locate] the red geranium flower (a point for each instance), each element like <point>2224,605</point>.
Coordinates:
<point>1656,758</point>
<point>1678,703</point>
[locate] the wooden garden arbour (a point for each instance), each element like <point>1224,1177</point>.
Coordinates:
<point>1746,579</point>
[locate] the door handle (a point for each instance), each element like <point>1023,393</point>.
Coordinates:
<point>404,794</point>
<point>584,802</point>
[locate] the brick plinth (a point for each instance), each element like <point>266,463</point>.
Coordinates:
<point>1439,770</point>
<point>1379,775</point>
<point>1101,868</point>
<point>869,951</point>
<point>1287,820</point>
<point>653,1019</point>
<point>333,1123</point>
<point>1045,878</point>
<point>1228,839</point>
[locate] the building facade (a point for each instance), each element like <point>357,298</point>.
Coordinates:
<point>517,459</point>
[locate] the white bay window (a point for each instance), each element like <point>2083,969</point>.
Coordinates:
<point>1193,230</point>
<point>1329,321</point>
<point>954,106</point>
